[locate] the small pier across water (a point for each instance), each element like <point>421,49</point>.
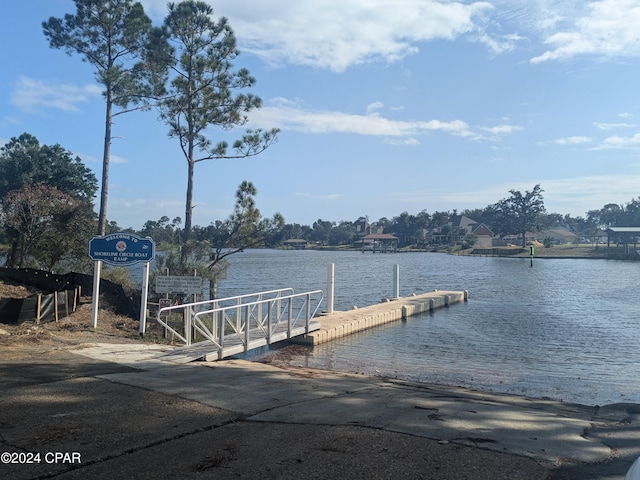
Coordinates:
<point>214,330</point>
<point>340,324</point>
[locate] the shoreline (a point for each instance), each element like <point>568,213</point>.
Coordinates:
<point>557,252</point>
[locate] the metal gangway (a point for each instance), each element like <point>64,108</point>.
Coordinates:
<point>215,329</point>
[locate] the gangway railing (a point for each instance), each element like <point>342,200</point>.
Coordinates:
<point>234,329</point>
<point>188,310</point>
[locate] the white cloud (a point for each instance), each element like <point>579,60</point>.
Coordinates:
<point>500,43</point>
<point>575,140</point>
<point>31,95</point>
<point>402,141</point>
<point>314,196</point>
<point>609,28</point>
<point>336,35</point>
<point>373,108</point>
<point>503,129</point>
<point>117,159</point>
<point>619,142</point>
<point>292,115</point>
<point>612,126</point>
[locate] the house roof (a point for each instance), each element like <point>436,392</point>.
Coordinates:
<point>379,236</point>
<point>623,230</point>
<point>560,232</point>
<point>483,230</point>
<point>463,221</point>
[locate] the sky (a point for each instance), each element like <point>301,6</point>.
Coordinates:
<point>384,107</point>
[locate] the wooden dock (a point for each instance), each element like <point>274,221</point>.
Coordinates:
<point>340,324</point>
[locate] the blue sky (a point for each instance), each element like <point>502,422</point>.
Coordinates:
<point>384,106</point>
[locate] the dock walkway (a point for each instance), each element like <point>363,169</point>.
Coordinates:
<point>340,324</point>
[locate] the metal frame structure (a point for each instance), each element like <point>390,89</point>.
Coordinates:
<point>190,309</point>
<point>238,324</point>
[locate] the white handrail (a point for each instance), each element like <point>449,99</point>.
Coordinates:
<point>265,326</point>
<point>193,306</point>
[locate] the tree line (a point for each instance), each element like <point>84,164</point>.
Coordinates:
<point>47,217</point>
<point>184,69</point>
<point>518,214</point>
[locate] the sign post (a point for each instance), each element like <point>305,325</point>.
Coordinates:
<point>143,299</point>
<point>120,249</point>
<point>97,268</point>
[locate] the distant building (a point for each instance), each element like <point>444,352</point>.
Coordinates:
<point>296,243</point>
<point>454,229</point>
<point>379,242</point>
<point>560,235</point>
<point>361,226</point>
<point>483,236</point>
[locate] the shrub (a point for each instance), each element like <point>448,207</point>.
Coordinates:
<point>121,276</point>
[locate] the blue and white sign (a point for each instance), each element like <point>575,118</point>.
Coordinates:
<point>121,249</point>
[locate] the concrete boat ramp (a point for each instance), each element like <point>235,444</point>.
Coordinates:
<point>297,422</point>
<point>303,423</point>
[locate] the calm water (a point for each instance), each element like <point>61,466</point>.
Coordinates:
<point>564,329</point>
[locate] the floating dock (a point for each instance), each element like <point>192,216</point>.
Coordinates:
<point>340,324</point>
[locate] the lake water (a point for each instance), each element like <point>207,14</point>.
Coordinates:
<point>565,329</point>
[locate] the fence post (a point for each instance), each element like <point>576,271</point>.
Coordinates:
<point>247,328</point>
<point>221,335</point>
<point>186,321</point>
<point>238,314</point>
<point>308,313</point>
<point>76,297</point>
<point>269,310</point>
<point>289,313</point>
<point>66,302</point>
<point>39,306</point>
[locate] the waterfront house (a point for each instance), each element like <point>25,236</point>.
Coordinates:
<point>296,243</point>
<point>379,242</point>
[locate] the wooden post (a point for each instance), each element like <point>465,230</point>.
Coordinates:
<point>39,305</point>
<point>76,297</point>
